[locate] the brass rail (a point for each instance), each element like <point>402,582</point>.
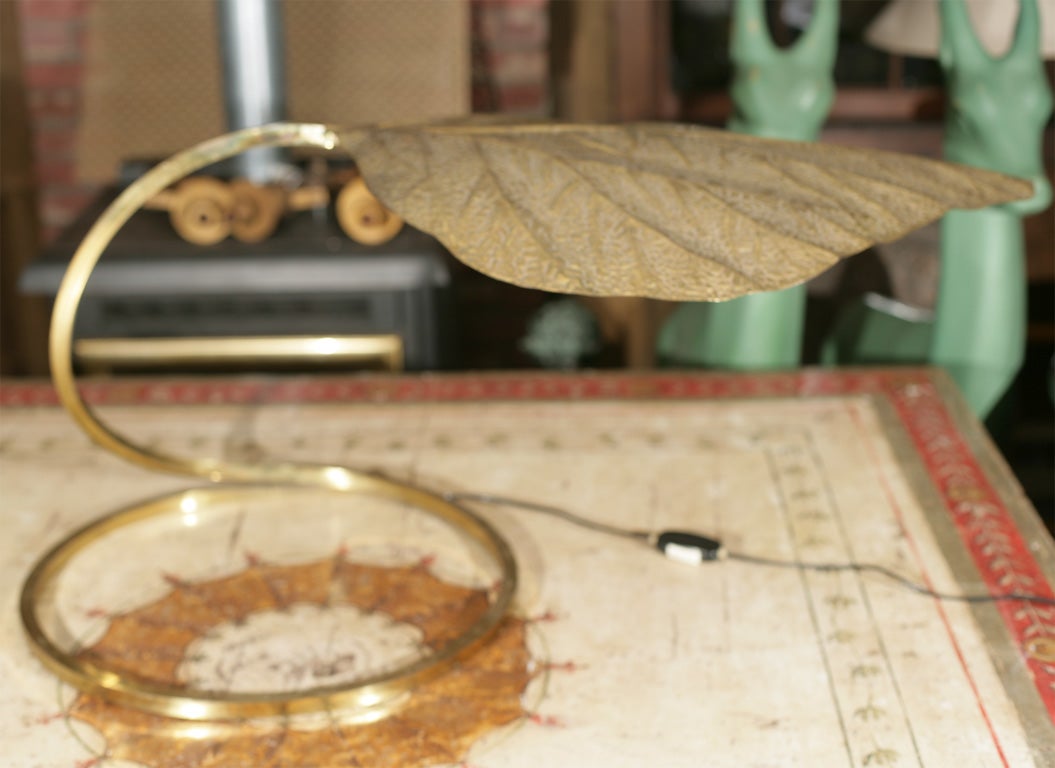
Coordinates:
<point>384,351</point>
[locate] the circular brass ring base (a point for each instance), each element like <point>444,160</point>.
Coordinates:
<point>365,699</point>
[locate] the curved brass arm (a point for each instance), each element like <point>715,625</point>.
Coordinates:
<point>87,256</point>
<point>375,695</point>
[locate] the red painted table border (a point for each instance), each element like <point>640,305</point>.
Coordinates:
<point>981,517</point>
<point>457,387</point>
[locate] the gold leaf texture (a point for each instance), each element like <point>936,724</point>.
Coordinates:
<point>661,210</point>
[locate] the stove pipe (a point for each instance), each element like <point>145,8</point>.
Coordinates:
<point>253,77</point>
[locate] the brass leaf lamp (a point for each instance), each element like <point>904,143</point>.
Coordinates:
<point>662,210</point>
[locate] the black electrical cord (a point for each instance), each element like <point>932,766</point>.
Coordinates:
<point>563,514</point>
<point>692,547</point>
<point>1024,597</point>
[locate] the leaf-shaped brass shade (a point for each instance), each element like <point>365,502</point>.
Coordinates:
<point>661,210</point>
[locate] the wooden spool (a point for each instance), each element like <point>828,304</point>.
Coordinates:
<point>200,210</point>
<point>362,216</point>
<point>205,210</point>
<point>256,210</point>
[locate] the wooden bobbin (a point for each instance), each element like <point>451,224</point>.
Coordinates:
<point>256,210</point>
<point>362,216</point>
<point>201,210</point>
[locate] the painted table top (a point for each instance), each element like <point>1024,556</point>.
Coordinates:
<point>615,656</point>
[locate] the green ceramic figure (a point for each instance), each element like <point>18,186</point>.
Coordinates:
<point>783,94</point>
<point>998,108</point>
<point>997,111</point>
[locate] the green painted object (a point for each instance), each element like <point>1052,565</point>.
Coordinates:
<point>998,108</point>
<point>782,93</point>
<point>777,93</point>
<point>979,332</point>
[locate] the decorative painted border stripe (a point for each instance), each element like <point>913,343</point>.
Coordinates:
<point>996,545</point>
<point>450,388</point>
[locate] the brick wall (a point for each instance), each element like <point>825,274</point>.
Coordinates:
<point>511,56</point>
<point>510,74</point>
<point>53,44</point>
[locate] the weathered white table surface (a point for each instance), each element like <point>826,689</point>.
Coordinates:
<point>634,659</point>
